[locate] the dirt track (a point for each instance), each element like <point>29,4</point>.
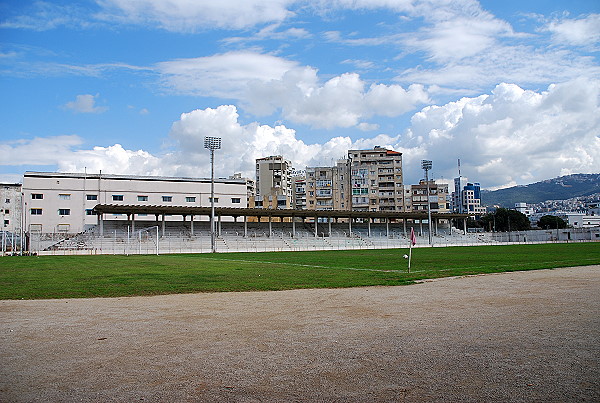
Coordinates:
<point>525,336</point>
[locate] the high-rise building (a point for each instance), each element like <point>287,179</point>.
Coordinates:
<point>466,198</point>
<point>327,187</point>
<point>376,180</point>
<point>416,197</point>
<point>274,184</point>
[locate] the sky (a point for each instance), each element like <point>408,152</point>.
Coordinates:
<point>511,88</point>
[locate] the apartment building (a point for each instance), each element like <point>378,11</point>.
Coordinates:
<point>10,207</point>
<point>299,192</point>
<point>416,197</point>
<point>274,184</point>
<point>327,188</point>
<point>64,202</point>
<point>376,180</point>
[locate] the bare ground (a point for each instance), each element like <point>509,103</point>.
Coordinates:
<point>511,337</point>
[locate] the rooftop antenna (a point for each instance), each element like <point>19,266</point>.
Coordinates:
<point>459,167</point>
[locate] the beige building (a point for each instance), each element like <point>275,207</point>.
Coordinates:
<point>64,202</point>
<point>415,197</point>
<point>299,188</point>
<point>376,180</point>
<point>327,187</point>
<point>274,184</point>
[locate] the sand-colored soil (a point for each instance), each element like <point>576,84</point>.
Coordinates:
<point>521,337</point>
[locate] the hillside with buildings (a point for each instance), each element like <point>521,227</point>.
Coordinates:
<point>561,188</point>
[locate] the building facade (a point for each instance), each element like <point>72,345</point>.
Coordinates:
<point>10,207</point>
<point>274,184</point>
<point>64,202</point>
<point>416,197</point>
<point>327,187</point>
<point>466,198</point>
<point>376,180</point>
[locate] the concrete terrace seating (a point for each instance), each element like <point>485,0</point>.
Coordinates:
<point>178,238</point>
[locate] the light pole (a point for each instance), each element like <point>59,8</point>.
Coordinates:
<point>426,165</point>
<point>212,144</point>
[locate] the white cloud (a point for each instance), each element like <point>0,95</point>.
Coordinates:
<point>113,159</point>
<point>367,127</point>
<point>341,101</point>
<point>85,104</point>
<point>44,16</point>
<point>223,75</point>
<point>578,32</point>
<point>38,151</point>
<point>510,136</point>
<point>265,84</point>
<point>271,32</point>
<point>190,16</point>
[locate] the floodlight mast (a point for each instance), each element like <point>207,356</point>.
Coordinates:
<point>212,144</point>
<point>426,165</point>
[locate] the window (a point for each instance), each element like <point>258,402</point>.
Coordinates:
<point>190,199</point>
<point>37,196</point>
<point>64,211</point>
<point>142,198</point>
<point>210,199</point>
<point>6,211</point>
<point>167,198</point>
<point>6,200</point>
<point>36,211</point>
<point>64,196</point>
<point>117,197</point>
<point>63,227</point>
<point>236,200</point>
<point>89,211</point>
<point>92,197</point>
<point>35,227</point>
<point>6,222</point>
<point>324,182</point>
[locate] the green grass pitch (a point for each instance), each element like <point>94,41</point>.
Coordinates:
<point>116,276</point>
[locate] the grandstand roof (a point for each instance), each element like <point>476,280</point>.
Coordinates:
<point>254,212</point>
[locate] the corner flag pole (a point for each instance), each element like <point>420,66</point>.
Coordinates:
<point>413,241</point>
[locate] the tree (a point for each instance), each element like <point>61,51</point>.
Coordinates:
<point>505,220</point>
<point>551,222</point>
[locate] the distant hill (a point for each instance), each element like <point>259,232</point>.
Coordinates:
<point>561,188</point>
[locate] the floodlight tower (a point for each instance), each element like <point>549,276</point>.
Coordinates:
<point>212,144</point>
<point>426,165</point>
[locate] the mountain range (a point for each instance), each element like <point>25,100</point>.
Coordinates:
<point>561,188</point>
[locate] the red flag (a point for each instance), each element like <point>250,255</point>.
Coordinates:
<point>413,238</point>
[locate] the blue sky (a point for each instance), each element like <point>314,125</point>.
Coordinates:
<point>511,88</point>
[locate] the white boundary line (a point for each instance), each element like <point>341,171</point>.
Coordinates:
<point>306,265</point>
